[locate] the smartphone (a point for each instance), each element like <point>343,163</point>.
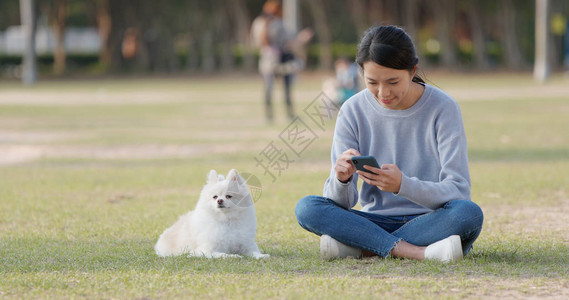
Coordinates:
<point>360,161</point>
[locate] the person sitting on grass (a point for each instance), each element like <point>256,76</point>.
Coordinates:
<point>417,205</point>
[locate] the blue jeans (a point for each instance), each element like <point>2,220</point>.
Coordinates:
<point>379,234</point>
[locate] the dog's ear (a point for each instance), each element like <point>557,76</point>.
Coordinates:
<point>234,176</point>
<point>212,177</point>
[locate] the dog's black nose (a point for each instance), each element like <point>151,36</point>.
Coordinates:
<point>219,201</point>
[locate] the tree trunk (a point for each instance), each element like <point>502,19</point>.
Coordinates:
<point>208,53</point>
<point>411,21</point>
<point>146,22</point>
<point>509,36</point>
<point>104,26</point>
<point>541,70</point>
<point>227,59</point>
<point>445,24</point>
<point>225,30</point>
<point>193,60</point>
<point>357,10</point>
<point>168,52</point>
<point>477,31</point>
<point>290,15</point>
<point>59,56</point>
<point>119,12</point>
<point>411,18</point>
<point>243,23</point>
<point>323,32</point>
<point>28,17</point>
<point>204,27</point>
<point>194,21</point>
<point>376,11</point>
<point>391,11</point>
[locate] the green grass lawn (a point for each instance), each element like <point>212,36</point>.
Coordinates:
<point>91,172</point>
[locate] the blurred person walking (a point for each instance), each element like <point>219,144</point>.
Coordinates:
<point>279,53</point>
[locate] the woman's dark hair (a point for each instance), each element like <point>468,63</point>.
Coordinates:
<point>389,46</point>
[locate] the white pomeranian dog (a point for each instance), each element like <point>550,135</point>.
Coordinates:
<point>223,224</point>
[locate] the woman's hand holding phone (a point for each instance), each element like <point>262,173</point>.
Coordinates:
<point>387,179</point>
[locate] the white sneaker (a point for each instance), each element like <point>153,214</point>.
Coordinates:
<point>446,250</point>
<point>330,249</point>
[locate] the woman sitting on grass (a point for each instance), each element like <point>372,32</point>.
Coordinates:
<point>417,205</point>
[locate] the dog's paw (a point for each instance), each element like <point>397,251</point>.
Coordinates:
<point>231,256</point>
<point>260,255</point>
<point>224,255</point>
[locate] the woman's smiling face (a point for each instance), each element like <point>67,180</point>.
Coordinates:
<point>390,87</point>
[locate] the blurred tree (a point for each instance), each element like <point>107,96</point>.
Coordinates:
<point>541,70</point>
<point>193,35</point>
<point>59,13</point>
<point>142,35</point>
<point>28,17</point>
<point>558,26</point>
<point>121,15</point>
<point>242,24</point>
<point>509,38</point>
<point>227,35</point>
<point>164,36</point>
<point>411,18</point>
<point>445,13</point>
<point>377,12</point>
<point>392,11</point>
<point>208,30</point>
<point>322,28</point>
<point>8,13</point>
<point>104,26</point>
<point>290,15</point>
<point>476,21</point>
<point>358,9</point>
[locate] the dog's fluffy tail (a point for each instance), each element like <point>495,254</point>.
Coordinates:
<point>165,246</point>
<point>169,241</point>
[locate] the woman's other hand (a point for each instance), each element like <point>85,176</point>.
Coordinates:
<point>344,167</point>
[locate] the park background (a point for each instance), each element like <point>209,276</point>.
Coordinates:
<point>187,37</point>
<point>101,150</point>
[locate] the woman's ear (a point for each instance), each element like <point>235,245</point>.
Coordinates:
<point>414,71</point>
